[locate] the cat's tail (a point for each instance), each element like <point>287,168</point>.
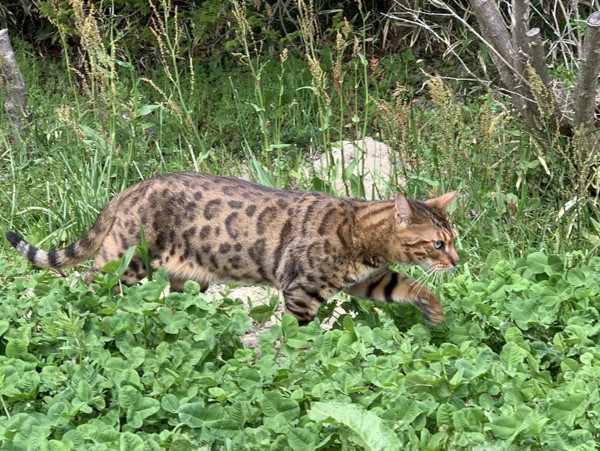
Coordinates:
<point>83,249</point>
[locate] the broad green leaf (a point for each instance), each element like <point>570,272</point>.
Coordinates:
<point>512,355</point>
<point>576,277</point>
<point>537,263</point>
<point>85,392</point>
<point>146,109</point>
<point>302,439</point>
<point>173,321</point>
<point>130,442</point>
<point>261,313</point>
<point>31,429</point>
<point>238,412</point>
<point>91,133</point>
<point>196,415</point>
<point>142,409</point>
<point>55,445</point>
<point>119,267</point>
<point>3,326</point>
<point>74,439</point>
<point>484,360</point>
<point>274,403</point>
<point>249,378</point>
<point>458,376</point>
<point>504,427</point>
<point>289,326</point>
<point>555,437</point>
<point>170,403</point>
<point>514,335</point>
<point>444,414</point>
<point>16,349</point>
<point>98,431</point>
<point>460,420</point>
<point>368,429</point>
<point>57,410</point>
<point>128,396</point>
<point>409,408</point>
<point>567,410</point>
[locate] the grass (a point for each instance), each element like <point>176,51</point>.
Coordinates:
<point>76,157</point>
<point>265,116</point>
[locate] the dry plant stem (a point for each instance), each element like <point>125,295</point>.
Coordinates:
<point>14,85</point>
<point>587,80</point>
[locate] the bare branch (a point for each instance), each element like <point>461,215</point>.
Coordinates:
<point>13,83</point>
<point>519,24</point>
<point>495,32</point>
<point>587,80</point>
<point>536,52</point>
<point>415,20</point>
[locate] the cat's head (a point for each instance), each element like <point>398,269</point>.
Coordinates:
<point>427,236</point>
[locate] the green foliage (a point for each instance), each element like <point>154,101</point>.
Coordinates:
<point>516,362</point>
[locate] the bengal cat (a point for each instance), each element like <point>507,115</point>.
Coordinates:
<point>309,245</point>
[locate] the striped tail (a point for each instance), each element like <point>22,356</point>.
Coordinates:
<point>83,249</point>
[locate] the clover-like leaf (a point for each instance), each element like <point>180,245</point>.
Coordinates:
<point>367,428</point>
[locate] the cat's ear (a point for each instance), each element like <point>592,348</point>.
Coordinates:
<point>442,202</point>
<point>403,210</point>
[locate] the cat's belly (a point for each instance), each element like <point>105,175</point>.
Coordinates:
<point>218,271</point>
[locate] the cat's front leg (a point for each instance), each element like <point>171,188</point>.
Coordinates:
<point>303,303</point>
<point>390,286</point>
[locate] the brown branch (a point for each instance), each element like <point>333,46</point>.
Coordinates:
<point>536,53</point>
<point>587,80</point>
<point>498,39</point>
<point>13,83</point>
<point>538,64</point>
<point>520,23</point>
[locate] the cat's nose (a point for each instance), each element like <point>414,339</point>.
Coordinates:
<point>454,259</point>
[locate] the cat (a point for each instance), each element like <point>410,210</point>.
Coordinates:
<point>310,245</point>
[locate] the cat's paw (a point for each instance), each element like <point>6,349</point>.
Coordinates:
<point>432,309</point>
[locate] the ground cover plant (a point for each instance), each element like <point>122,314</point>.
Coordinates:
<point>515,365</point>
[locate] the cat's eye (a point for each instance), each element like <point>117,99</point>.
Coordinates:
<point>438,244</point>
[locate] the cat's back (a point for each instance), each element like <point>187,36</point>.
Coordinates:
<point>230,228</point>
<point>221,208</point>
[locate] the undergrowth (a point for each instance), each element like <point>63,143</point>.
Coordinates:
<point>144,371</point>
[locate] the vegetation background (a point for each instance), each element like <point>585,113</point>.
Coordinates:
<point>121,90</point>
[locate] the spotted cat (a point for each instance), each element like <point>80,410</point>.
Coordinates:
<point>310,245</point>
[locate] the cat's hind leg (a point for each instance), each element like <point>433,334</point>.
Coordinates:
<point>390,286</point>
<point>109,252</point>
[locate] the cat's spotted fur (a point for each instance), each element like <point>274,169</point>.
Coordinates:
<point>310,245</point>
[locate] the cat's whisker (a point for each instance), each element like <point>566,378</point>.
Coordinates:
<point>424,275</point>
<point>418,285</point>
